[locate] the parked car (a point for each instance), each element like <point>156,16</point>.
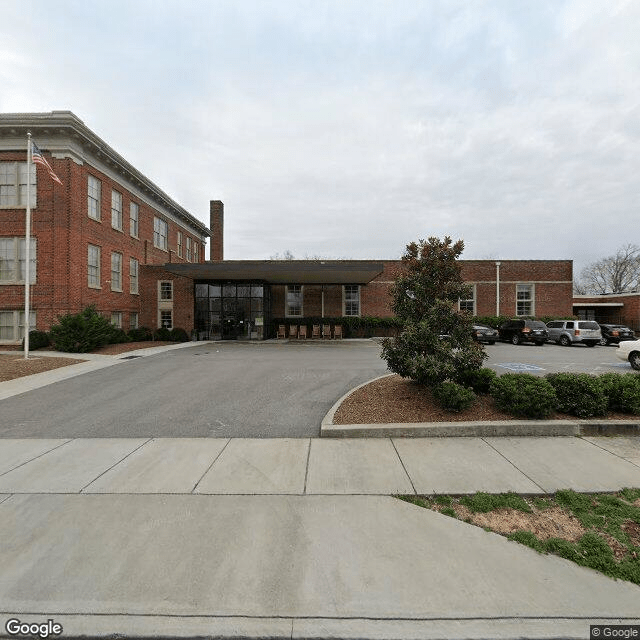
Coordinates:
<point>615,333</point>
<point>568,332</point>
<point>481,333</point>
<point>517,331</point>
<point>629,350</point>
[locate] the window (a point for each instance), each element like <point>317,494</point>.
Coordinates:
<point>116,319</point>
<point>12,325</point>
<point>134,214</point>
<point>166,319</point>
<point>13,184</point>
<point>160,233</point>
<point>134,320</point>
<point>524,300</point>
<point>468,304</point>
<point>93,266</point>
<point>294,300</point>
<point>116,210</point>
<point>12,260</point>
<point>133,275</point>
<point>166,290</point>
<point>189,249</point>
<point>94,190</point>
<point>196,257</point>
<point>351,300</point>
<point>116,272</point>
<point>180,244</point>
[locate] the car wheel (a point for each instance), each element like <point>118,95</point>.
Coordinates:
<point>591,344</point>
<point>634,360</point>
<point>604,342</point>
<point>539,344</point>
<point>515,339</point>
<point>564,341</point>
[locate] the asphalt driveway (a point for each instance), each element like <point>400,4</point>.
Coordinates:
<point>261,390</point>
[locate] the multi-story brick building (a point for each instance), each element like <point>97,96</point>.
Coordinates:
<point>110,237</point>
<point>94,238</point>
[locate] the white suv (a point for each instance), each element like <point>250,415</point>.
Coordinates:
<point>568,332</point>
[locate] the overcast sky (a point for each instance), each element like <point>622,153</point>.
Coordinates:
<point>347,129</point>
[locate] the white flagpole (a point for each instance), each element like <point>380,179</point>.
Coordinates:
<point>27,256</point>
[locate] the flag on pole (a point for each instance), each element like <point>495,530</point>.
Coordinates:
<point>36,156</point>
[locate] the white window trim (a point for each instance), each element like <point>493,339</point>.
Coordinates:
<point>134,206</point>
<point>473,297</point>
<point>286,301</point>
<point>33,184</point>
<point>98,200</point>
<point>117,288</point>
<point>156,234</point>
<point>160,298</point>
<point>179,244</point>
<point>344,300</point>
<point>33,259</point>
<point>160,312</point>
<point>115,210</point>
<point>99,265</point>
<point>134,315</point>
<point>533,300</point>
<point>134,279</point>
<point>118,317</point>
<point>189,254</point>
<point>17,331</point>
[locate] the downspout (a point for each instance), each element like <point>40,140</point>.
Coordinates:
<point>497,288</point>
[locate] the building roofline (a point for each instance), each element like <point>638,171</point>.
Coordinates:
<point>61,123</point>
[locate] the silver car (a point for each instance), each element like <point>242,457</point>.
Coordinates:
<point>568,332</point>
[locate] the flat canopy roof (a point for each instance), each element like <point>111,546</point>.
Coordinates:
<point>282,271</point>
<point>598,304</point>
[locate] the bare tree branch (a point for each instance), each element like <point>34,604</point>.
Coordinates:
<point>615,274</point>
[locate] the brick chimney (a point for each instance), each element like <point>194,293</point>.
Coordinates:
<point>216,212</point>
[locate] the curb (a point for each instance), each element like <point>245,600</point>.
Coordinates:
<point>477,429</point>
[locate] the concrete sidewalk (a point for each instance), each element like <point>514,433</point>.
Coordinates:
<point>277,538</point>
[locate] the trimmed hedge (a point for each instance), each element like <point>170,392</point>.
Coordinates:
<point>524,395</point>
<point>37,340</point>
<point>453,397</point>
<point>82,332</point>
<point>478,379</point>
<point>622,391</point>
<point>579,394</point>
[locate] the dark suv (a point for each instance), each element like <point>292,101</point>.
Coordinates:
<point>517,331</point>
<point>615,333</point>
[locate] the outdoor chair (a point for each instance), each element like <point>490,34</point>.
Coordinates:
<point>282,331</point>
<point>326,331</point>
<point>302,333</point>
<point>293,331</point>
<point>337,331</point>
<point>315,331</point>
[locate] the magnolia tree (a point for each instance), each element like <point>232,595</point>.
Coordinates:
<point>435,344</point>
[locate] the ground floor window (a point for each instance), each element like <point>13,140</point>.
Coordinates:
<point>524,300</point>
<point>12,325</point>
<point>166,319</point>
<point>116,319</point>
<point>351,297</point>
<point>294,306</point>
<point>468,304</point>
<point>134,320</point>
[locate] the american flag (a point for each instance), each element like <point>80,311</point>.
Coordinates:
<point>36,156</point>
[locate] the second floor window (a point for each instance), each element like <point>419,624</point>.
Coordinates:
<point>93,197</point>
<point>13,260</point>
<point>180,244</point>
<point>134,213</point>
<point>93,266</point>
<point>166,290</point>
<point>189,249</point>
<point>116,210</point>
<point>160,233</point>
<point>13,184</point>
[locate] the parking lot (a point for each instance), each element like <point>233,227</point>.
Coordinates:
<point>551,358</point>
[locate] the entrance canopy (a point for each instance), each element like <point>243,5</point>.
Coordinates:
<point>282,271</point>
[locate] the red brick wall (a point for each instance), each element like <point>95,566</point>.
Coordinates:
<point>63,230</point>
<point>628,314</point>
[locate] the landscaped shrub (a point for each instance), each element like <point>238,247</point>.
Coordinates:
<point>141,334</point>
<point>524,395</point>
<point>579,394</point>
<point>622,391</point>
<point>478,379</point>
<point>81,332</point>
<point>118,336</point>
<point>453,397</point>
<point>179,335</point>
<point>37,340</point>
<point>162,334</point>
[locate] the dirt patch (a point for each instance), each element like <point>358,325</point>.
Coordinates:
<point>632,529</point>
<point>15,366</point>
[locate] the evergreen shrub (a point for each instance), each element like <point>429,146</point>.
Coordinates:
<point>453,397</point>
<point>37,340</point>
<point>478,379</point>
<point>141,334</point>
<point>579,394</point>
<point>81,332</point>
<point>524,395</point>
<point>622,391</point>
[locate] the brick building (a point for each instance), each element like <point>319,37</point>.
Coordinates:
<point>95,238</point>
<point>110,237</point>
<point>610,308</point>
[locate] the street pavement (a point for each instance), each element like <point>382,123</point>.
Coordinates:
<point>292,537</point>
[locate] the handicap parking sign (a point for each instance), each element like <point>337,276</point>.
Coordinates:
<point>519,366</point>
